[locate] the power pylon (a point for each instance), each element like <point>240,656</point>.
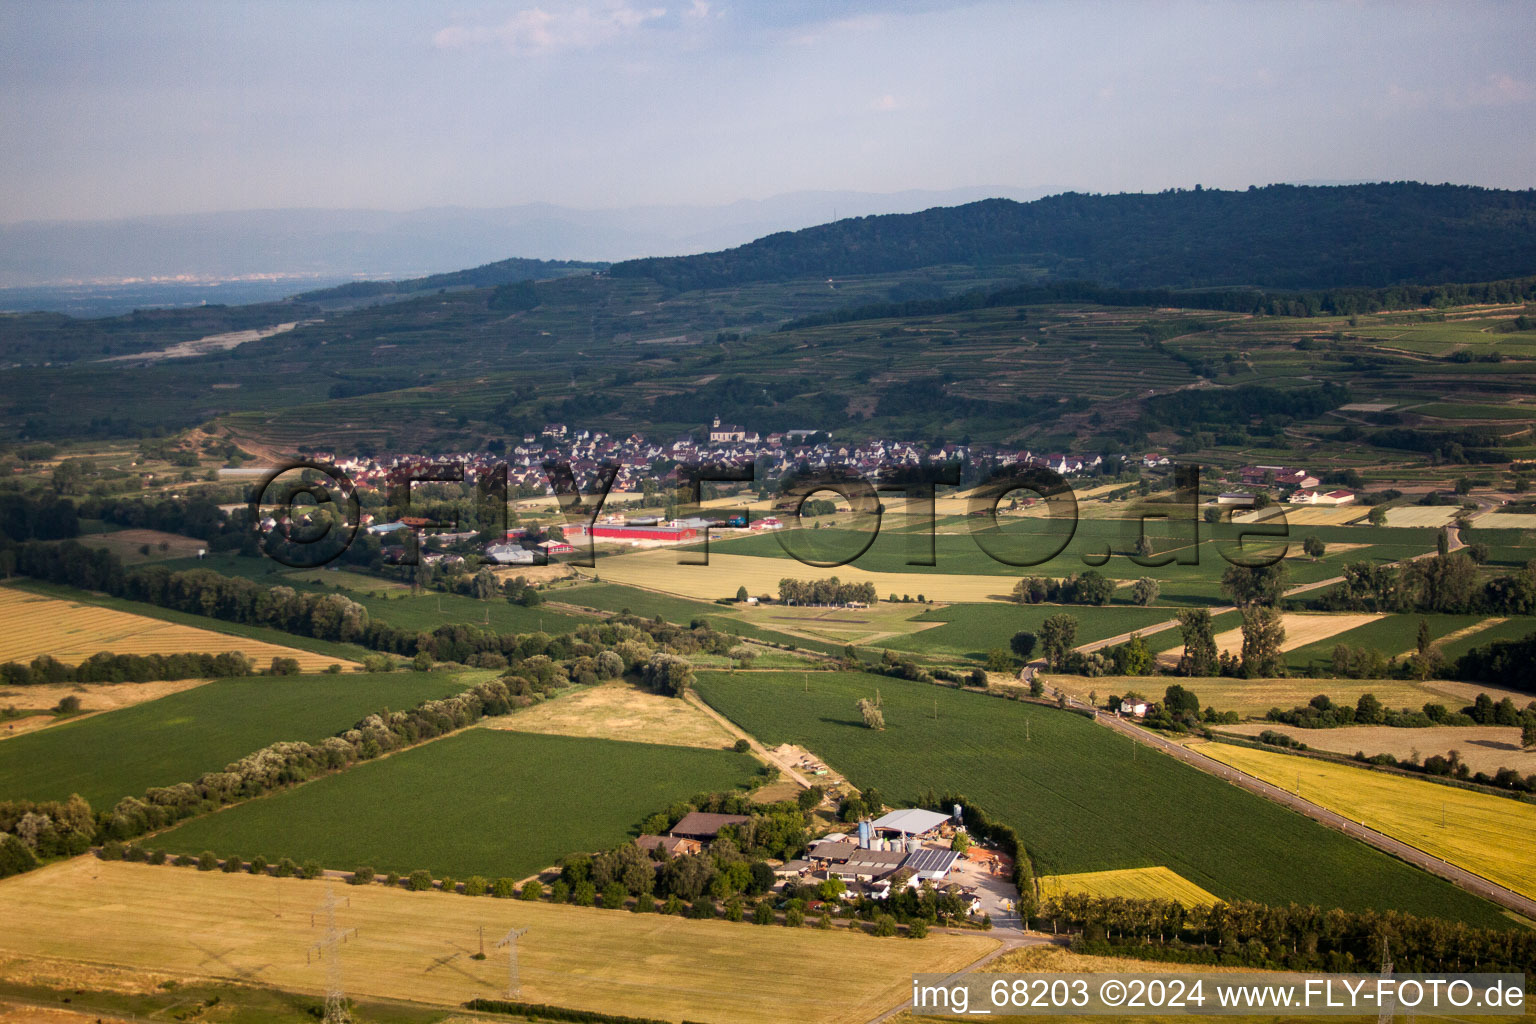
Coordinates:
<point>514,988</point>
<point>327,949</point>
<point>1388,1004</point>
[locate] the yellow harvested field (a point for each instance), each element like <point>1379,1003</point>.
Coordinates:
<point>1489,835</point>
<point>31,624</point>
<point>1420,515</point>
<point>1505,521</point>
<point>1256,696</point>
<point>1314,515</point>
<point>1485,748</point>
<point>657,569</point>
<point>418,946</point>
<point>1301,629</point>
<point>620,711</point>
<point>1159,883</point>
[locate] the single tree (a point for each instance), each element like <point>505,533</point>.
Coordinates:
<point>1314,547</point>
<point>1144,591</point>
<point>1022,644</point>
<point>1199,642</point>
<point>1263,635</point>
<point>874,718</point>
<point>1377,516</point>
<point>1257,584</point>
<point>1058,635</point>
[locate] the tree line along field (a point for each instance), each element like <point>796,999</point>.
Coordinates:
<point>1486,834</point>
<point>180,736</point>
<point>488,802</point>
<point>1080,797</point>
<point>388,601</point>
<point>330,651</point>
<point>33,624</point>
<point>417,947</point>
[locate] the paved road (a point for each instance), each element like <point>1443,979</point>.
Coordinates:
<point>1460,876</point>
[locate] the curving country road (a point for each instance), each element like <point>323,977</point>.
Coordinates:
<point>1475,883</point>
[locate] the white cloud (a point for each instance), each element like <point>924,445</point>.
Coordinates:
<point>535,30</point>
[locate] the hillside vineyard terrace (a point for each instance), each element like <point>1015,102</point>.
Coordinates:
<point>275,510</point>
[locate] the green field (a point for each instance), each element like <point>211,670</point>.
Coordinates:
<point>180,736</point>
<point>488,802</point>
<point>616,597</point>
<point>1025,538</point>
<point>1081,797</point>
<point>1515,628</point>
<point>1392,636</point>
<point>971,630</point>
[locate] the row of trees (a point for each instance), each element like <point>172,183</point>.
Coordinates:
<point>1087,587</point>
<point>329,616</point>
<point>1292,937</point>
<point>1447,583</point>
<point>106,667</point>
<point>830,591</point>
<point>1322,713</point>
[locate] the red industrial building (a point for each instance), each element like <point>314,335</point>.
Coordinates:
<point>631,532</point>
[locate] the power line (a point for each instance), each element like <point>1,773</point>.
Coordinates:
<point>514,988</point>
<point>336,1011</point>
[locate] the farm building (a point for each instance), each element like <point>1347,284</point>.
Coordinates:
<point>674,845</point>
<point>909,822</point>
<point>930,864</point>
<point>704,827</point>
<point>509,554</point>
<point>832,851</point>
<point>1285,476</point>
<point>556,547</point>
<point>1234,498</point>
<point>1334,498</point>
<point>868,865</point>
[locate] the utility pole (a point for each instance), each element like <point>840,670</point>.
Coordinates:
<point>336,1011</point>
<point>514,989</point>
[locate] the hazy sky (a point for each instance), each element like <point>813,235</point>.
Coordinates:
<point>116,109</point>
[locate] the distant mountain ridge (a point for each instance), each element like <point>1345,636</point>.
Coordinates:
<point>1277,236</point>
<point>488,275</point>
<point>309,245</point>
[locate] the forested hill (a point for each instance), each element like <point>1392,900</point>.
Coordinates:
<point>486,276</point>
<point>1279,236</point>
